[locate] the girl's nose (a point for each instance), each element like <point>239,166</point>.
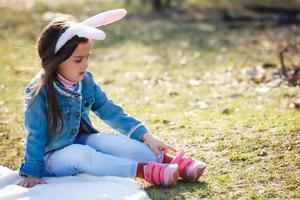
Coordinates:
<point>85,64</point>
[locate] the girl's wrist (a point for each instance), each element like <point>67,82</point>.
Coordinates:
<point>146,136</point>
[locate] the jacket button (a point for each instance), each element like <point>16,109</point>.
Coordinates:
<point>77,114</point>
<point>74,131</point>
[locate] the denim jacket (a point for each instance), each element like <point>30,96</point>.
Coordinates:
<point>74,105</point>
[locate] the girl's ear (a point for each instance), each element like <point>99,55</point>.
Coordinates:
<point>105,18</point>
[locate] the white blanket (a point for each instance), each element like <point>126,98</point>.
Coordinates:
<point>81,186</point>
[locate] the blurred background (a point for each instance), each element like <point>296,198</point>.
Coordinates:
<point>218,78</point>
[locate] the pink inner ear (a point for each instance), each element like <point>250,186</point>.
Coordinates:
<point>105,18</point>
<point>113,18</point>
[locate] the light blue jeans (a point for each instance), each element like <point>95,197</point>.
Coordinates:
<point>100,154</point>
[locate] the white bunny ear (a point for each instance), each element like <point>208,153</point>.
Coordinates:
<point>87,28</point>
<point>104,18</point>
<point>80,30</point>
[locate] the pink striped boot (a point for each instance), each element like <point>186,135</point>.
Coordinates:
<point>189,169</point>
<point>161,174</point>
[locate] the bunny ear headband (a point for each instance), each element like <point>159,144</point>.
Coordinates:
<point>88,29</point>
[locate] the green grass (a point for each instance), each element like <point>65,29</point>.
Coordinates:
<point>186,81</point>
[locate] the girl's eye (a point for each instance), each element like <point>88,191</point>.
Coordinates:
<point>78,61</point>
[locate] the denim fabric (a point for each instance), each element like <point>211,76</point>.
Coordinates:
<point>74,106</point>
<point>101,154</point>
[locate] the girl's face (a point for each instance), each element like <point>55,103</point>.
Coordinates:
<point>74,68</point>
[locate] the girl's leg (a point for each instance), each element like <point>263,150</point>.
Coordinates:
<point>77,158</point>
<point>120,146</point>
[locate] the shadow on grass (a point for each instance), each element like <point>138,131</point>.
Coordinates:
<point>182,190</point>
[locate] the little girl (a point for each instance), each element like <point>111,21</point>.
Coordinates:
<point>61,140</point>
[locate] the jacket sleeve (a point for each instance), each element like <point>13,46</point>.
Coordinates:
<point>115,116</point>
<point>36,126</point>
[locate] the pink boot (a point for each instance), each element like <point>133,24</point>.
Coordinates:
<point>189,169</point>
<point>161,174</point>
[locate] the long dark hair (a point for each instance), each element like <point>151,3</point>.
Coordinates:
<point>50,62</point>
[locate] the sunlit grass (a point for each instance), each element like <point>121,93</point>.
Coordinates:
<point>185,81</point>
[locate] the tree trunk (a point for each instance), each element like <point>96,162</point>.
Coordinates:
<point>168,3</point>
<point>157,4</point>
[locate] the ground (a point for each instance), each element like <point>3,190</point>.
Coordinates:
<point>191,83</point>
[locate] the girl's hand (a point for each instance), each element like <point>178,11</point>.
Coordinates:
<point>156,144</point>
<point>31,181</point>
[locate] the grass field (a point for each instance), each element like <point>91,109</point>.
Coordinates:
<point>188,82</point>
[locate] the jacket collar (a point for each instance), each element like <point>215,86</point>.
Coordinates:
<point>76,93</point>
